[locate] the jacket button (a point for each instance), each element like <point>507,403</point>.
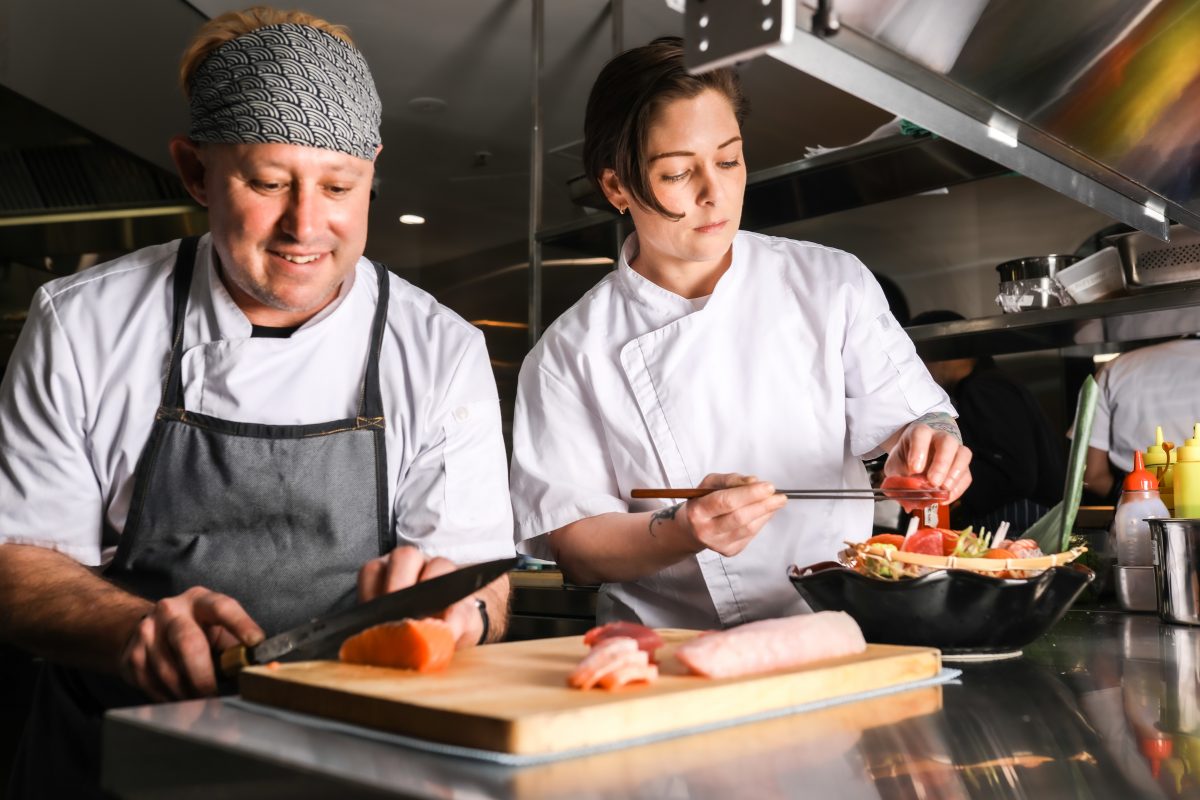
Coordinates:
<point>461,413</point>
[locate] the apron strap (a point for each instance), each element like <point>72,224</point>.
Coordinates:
<point>371,402</point>
<point>185,262</point>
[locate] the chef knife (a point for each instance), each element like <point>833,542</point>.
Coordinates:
<point>318,637</point>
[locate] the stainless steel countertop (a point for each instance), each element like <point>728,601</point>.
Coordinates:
<point>1082,714</point>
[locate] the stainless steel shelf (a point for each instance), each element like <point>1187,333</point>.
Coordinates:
<point>1067,326</point>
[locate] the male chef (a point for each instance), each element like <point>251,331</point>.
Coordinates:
<point>213,440</point>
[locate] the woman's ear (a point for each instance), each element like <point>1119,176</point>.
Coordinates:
<point>614,192</point>
<point>190,164</point>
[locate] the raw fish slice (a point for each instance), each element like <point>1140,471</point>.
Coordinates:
<point>773,644</point>
<point>608,655</point>
<point>622,662</point>
<point>1024,548</point>
<point>634,673</point>
<point>896,485</point>
<point>603,658</point>
<point>647,638</point>
<point>425,645</point>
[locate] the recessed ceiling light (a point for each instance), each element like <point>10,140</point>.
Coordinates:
<point>427,105</point>
<point>412,219</point>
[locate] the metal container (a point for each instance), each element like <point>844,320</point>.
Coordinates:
<point>1177,569</point>
<point>1027,283</point>
<point>1135,588</point>
<point>1149,261</point>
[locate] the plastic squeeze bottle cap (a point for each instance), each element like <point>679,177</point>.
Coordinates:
<point>1156,749</point>
<point>1190,451</point>
<point>1156,456</point>
<point>1141,479</point>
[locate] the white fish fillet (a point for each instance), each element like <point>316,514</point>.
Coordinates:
<point>773,644</point>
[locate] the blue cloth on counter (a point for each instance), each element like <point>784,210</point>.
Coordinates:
<point>946,675</point>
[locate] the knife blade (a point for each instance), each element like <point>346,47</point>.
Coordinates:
<point>316,637</point>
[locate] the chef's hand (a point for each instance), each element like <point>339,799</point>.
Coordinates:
<point>931,451</point>
<point>170,654</point>
<point>406,566</point>
<point>726,520</point>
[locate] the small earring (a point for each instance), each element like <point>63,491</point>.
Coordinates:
<point>623,210</point>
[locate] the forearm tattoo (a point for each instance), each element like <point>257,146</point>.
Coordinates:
<point>663,515</point>
<point>943,422</point>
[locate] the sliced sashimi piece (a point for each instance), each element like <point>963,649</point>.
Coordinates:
<point>620,668</point>
<point>773,644</point>
<point>633,673</point>
<point>607,656</point>
<point>647,638</point>
<point>1024,548</point>
<point>924,540</point>
<point>903,488</point>
<point>426,645</point>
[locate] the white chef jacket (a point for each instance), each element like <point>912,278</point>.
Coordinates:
<point>792,371</point>
<point>80,394</point>
<point>1155,385</point>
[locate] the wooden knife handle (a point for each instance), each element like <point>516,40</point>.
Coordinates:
<point>233,660</point>
<point>669,494</point>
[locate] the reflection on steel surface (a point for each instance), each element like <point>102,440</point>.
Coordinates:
<point>1117,81</point>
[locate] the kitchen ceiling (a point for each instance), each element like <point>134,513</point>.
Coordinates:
<point>462,165</point>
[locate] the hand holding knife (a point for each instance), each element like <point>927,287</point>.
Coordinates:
<point>322,636</point>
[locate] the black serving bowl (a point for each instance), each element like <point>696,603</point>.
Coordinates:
<point>958,612</point>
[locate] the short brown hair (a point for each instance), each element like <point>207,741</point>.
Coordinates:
<point>229,26</point>
<point>627,94</point>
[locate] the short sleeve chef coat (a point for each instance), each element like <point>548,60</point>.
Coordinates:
<point>85,380</point>
<point>1141,389</point>
<point>792,371</point>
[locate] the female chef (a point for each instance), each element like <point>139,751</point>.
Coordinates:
<point>709,349</point>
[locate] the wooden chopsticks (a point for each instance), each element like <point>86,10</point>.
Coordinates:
<point>932,495</point>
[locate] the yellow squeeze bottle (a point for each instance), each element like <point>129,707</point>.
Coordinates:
<point>1187,477</point>
<point>1160,463</point>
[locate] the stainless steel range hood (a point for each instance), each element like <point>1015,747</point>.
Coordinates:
<point>1097,99</point>
<point>65,192</point>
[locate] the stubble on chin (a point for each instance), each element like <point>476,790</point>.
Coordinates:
<point>262,293</point>
<point>313,302</point>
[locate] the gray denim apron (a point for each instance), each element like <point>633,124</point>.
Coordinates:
<point>279,517</point>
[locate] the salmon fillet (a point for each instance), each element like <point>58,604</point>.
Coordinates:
<point>426,645</point>
<point>773,644</point>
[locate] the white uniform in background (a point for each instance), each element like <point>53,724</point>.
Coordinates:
<point>1155,385</point>
<point>793,371</point>
<point>85,380</point>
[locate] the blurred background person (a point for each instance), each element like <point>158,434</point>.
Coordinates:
<point>1139,390</point>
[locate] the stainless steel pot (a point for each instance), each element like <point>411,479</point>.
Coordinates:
<point>1177,569</point>
<point>1034,267</point>
<point>1027,283</point>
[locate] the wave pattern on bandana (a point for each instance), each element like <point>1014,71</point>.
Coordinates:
<point>287,84</point>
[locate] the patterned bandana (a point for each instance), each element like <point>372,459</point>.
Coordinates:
<point>287,84</point>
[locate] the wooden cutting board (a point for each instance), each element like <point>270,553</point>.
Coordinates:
<point>513,697</point>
